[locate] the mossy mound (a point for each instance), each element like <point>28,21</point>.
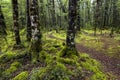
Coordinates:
<point>54,71</point>
<point>72,68</point>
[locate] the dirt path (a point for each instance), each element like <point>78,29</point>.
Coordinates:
<point>111,65</point>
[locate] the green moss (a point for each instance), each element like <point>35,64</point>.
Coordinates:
<point>54,71</point>
<point>10,70</point>
<point>66,61</point>
<point>6,57</point>
<point>42,56</point>
<point>51,50</point>
<point>16,55</point>
<point>67,52</point>
<point>113,51</point>
<point>21,76</point>
<point>16,64</point>
<point>93,67</point>
<point>99,76</point>
<point>60,35</point>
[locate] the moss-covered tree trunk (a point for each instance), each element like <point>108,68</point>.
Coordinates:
<point>72,24</point>
<point>2,23</point>
<point>36,35</point>
<point>71,31</point>
<point>16,21</point>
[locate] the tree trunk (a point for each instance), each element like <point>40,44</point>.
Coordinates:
<point>16,21</point>
<point>78,16</point>
<point>2,23</point>
<point>98,20</point>
<point>36,45</point>
<point>53,14</point>
<point>72,24</point>
<point>28,22</point>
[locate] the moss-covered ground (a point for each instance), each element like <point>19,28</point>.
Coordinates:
<point>15,64</point>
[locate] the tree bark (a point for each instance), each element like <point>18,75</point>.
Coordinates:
<point>2,23</point>
<point>78,16</point>
<point>28,22</point>
<point>36,45</point>
<point>72,24</point>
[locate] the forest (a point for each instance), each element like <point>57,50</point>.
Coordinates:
<point>59,39</point>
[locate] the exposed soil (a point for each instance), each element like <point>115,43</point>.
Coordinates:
<point>110,64</point>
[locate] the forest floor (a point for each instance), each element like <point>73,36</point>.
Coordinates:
<point>111,63</point>
<point>99,58</point>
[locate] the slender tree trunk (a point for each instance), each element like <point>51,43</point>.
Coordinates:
<point>53,13</point>
<point>2,23</point>
<point>78,16</point>
<point>63,8</point>
<point>48,8</point>
<point>115,18</point>
<point>28,21</point>
<point>16,21</point>
<point>60,18</point>
<point>98,16</point>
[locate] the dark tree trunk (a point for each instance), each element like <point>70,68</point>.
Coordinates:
<point>78,16</point>
<point>28,21</point>
<point>70,42</point>
<point>42,15</point>
<point>2,23</point>
<point>115,22</point>
<point>106,17</point>
<point>98,20</point>
<point>53,13</point>
<point>16,21</point>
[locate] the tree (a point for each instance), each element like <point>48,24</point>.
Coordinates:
<point>2,23</point>
<point>78,15</point>
<point>115,21</point>
<point>28,21</point>
<point>52,2</point>
<point>16,21</point>
<point>36,45</point>
<point>98,17</point>
<point>71,31</point>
